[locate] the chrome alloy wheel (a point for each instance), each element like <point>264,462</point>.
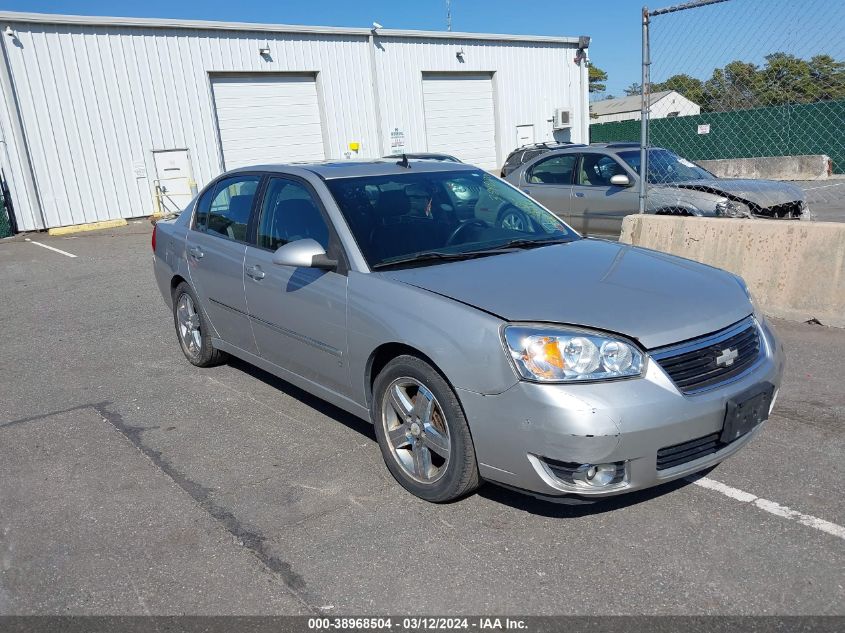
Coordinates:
<point>416,430</point>
<point>189,324</point>
<point>514,221</point>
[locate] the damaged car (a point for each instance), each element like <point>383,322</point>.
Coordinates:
<point>594,187</point>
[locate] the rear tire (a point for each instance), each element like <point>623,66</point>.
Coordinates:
<point>422,431</point>
<point>192,328</point>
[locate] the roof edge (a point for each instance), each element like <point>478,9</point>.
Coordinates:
<point>167,23</point>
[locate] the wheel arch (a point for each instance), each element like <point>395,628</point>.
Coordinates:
<point>175,281</point>
<point>386,352</point>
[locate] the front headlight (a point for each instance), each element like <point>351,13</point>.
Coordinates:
<point>733,209</point>
<point>549,354</point>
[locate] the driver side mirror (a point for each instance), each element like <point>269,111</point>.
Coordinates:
<point>620,180</point>
<point>304,253</point>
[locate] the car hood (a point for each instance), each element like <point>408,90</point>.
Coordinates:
<point>763,193</point>
<point>652,297</point>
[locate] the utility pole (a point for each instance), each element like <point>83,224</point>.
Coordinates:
<point>448,15</point>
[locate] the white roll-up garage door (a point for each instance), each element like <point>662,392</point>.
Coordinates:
<point>268,119</point>
<point>460,118</point>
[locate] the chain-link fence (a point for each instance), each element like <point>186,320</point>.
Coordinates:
<point>753,91</point>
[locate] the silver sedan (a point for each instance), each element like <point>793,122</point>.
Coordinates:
<point>480,349</point>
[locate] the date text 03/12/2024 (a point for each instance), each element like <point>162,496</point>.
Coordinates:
<point>417,623</point>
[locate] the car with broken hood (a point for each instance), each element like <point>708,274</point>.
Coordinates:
<point>594,187</point>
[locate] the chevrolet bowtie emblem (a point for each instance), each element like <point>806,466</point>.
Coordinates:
<point>727,357</point>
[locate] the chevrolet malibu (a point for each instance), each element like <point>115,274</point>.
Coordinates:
<point>531,357</point>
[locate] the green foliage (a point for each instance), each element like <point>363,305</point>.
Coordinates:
<point>633,89</point>
<point>597,79</point>
<point>784,79</point>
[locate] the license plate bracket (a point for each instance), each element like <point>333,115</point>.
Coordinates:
<point>744,412</point>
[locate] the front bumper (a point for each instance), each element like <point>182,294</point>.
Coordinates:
<point>621,421</point>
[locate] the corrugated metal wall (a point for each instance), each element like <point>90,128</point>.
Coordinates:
<point>96,100</point>
<point>530,80</point>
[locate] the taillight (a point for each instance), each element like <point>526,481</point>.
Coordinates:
<point>154,238</point>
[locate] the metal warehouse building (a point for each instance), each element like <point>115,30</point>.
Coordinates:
<point>106,118</point>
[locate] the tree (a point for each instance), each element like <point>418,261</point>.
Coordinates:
<point>597,79</point>
<point>690,87</point>
<point>633,89</point>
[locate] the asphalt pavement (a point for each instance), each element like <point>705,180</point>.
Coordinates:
<point>134,483</point>
<point>826,198</point>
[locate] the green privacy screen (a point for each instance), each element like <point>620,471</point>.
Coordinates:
<point>788,130</point>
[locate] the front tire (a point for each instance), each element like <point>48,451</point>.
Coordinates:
<point>422,431</point>
<point>192,328</point>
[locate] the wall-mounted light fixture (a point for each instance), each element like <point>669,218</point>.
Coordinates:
<point>460,55</point>
<point>264,51</point>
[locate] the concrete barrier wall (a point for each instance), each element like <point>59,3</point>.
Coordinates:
<point>772,168</point>
<point>795,269</point>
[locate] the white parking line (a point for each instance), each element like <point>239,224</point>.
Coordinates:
<point>836,184</point>
<point>58,250</point>
<point>770,506</point>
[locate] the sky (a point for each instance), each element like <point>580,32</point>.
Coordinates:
<point>694,42</point>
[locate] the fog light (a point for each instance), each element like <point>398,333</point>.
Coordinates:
<point>596,475</point>
<point>587,475</point>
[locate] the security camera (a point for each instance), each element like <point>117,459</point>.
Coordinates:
<point>9,31</point>
<point>377,26</point>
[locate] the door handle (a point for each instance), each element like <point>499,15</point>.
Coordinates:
<point>579,195</point>
<point>196,252</point>
<point>255,272</point>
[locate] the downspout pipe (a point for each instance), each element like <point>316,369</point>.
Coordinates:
<point>376,94</point>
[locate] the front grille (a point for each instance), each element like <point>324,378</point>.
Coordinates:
<point>785,210</point>
<point>694,366</point>
<point>684,452</point>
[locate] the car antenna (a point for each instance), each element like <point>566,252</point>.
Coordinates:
<point>404,162</point>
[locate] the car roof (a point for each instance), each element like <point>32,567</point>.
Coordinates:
<point>423,155</point>
<point>605,148</point>
<point>329,170</point>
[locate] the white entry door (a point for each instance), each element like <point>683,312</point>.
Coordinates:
<point>460,117</point>
<point>268,119</point>
<point>173,179</point>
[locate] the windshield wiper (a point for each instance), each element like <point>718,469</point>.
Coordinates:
<point>521,243</point>
<point>433,256</point>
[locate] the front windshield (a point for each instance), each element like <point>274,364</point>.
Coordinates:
<point>452,214</point>
<point>666,167</point>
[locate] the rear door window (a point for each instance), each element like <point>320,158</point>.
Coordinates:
<point>556,170</point>
<point>229,207</point>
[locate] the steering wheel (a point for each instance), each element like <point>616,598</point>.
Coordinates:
<point>463,227</point>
